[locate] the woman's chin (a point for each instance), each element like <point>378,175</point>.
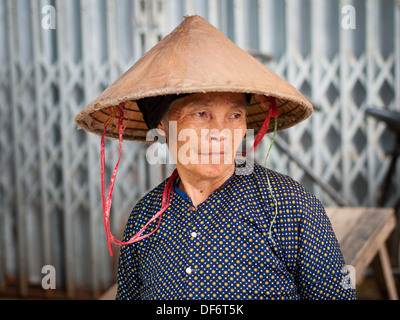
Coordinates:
<point>212,170</point>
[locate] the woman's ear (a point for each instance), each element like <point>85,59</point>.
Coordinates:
<point>161,129</point>
<point>161,132</point>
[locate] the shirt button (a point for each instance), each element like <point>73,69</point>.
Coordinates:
<point>194,234</point>
<point>192,209</point>
<point>188,270</point>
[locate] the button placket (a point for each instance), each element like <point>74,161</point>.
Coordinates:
<point>193,233</point>
<point>189,270</point>
<point>192,211</point>
<point>194,226</point>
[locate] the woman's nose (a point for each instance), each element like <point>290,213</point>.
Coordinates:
<point>217,132</point>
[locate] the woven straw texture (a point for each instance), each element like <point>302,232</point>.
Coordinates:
<point>195,57</point>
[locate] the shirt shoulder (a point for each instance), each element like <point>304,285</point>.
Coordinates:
<point>294,202</point>
<point>144,209</point>
<point>147,202</point>
<point>283,186</point>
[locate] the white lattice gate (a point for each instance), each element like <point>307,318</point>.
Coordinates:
<point>50,197</point>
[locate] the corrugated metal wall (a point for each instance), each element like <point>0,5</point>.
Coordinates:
<point>50,197</point>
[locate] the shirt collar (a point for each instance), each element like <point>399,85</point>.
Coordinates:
<point>184,196</point>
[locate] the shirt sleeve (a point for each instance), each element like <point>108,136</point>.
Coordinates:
<point>129,278</point>
<point>321,271</point>
<point>128,273</point>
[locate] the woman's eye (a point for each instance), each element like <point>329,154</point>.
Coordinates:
<point>201,114</point>
<point>235,115</point>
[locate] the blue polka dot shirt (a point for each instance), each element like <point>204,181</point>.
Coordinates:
<point>234,245</point>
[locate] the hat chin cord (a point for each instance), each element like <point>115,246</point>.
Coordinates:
<point>168,190</point>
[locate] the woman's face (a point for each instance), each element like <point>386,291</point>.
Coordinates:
<point>204,132</point>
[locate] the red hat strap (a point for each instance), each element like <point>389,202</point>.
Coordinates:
<point>272,111</point>
<point>167,194</point>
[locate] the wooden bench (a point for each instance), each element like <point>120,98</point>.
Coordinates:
<point>362,233</point>
<point>110,294</point>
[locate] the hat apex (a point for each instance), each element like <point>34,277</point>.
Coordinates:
<point>195,57</point>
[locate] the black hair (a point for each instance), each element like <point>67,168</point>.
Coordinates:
<point>154,108</point>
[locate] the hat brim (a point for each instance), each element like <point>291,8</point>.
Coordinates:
<point>290,113</point>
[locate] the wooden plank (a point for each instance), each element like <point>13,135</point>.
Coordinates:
<point>110,294</point>
<point>387,273</point>
<point>363,232</point>
<point>343,221</point>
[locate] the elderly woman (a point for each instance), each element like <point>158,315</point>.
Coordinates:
<point>208,231</point>
<point>208,157</point>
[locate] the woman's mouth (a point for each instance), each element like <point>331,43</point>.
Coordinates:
<point>213,153</point>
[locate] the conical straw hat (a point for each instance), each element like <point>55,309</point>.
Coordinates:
<point>195,57</point>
